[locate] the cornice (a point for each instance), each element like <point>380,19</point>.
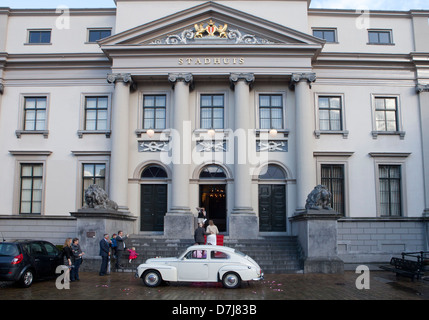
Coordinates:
<point>55,12</point>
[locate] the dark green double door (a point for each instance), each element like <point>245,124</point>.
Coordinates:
<point>153,206</point>
<point>272,207</point>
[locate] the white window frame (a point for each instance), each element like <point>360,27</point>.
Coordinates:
<point>326,29</point>
<point>344,132</point>
<point>21,115</point>
<point>140,112</point>
<point>390,31</point>
<point>28,157</point>
<point>81,131</point>
<point>96,29</point>
<point>399,130</point>
<point>395,159</point>
<point>38,43</point>
<point>284,132</point>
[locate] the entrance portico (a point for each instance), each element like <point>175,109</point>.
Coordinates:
<point>184,65</point>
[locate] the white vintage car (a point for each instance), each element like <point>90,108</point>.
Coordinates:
<point>201,263</point>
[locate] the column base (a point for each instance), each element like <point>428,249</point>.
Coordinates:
<point>243,226</point>
<point>179,225</point>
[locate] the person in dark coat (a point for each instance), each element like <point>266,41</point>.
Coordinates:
<point>104,253</point>
<point>120,241</point>
<point>199,234</point>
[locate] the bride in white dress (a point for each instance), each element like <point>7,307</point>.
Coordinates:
<point>212,232</point>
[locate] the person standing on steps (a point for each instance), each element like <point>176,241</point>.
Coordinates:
<point>104,253</point>
<point>120,242</point>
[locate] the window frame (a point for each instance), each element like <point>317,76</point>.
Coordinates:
<point>318,132</point>
<point>378,31</point>
<point>331,179</point>
<point>94,177</point>
<point>22,115</point>
<point>212,107</point>
<point>326,29</point>
<point>140,112</point>
<point>154,119</point>
<point>82,119</point>
<point>29,31</point>
<point>89,30</point>
<point>399,128</point>
<point>398,159</point>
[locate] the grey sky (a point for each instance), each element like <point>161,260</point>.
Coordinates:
<point>334,4</point>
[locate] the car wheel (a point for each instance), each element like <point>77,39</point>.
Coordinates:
<point>231,280</point>
<point>152,278</point>
<point>26,279</point>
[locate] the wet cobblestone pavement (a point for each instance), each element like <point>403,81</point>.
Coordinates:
<point>124,286</point>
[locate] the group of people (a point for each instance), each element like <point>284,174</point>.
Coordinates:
<point>211,231</point>
<point>116,246</point>
<point>73,257</point>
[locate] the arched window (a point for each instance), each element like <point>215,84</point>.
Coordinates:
<point>154,172</point>
<point>272,172</point>
<point>212,172</point>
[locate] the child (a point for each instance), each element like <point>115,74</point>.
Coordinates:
<point>133,254</point>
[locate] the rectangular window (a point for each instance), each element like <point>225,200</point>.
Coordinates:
<point>31,188</point>
<point>154,111</point>
<point>39,36</point>
<point>270,111</point>
<point>35,113</point>
<point>330,117</point>
<point>326,34</point>
<point>212,111</point>
<point>390,190</point>
<point>93,173</point>
<point>96,109</point>
<point>332,176</point>
<point>380,36</point>
<point>98,34</point>
<point>386,114</point>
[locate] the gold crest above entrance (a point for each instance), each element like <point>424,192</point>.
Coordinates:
<point>210,30</point>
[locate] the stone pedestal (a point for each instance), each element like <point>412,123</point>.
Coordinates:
<point>243,226</point>
<point>179,225</point>
<point>92,224</point>
<point>317,233</point>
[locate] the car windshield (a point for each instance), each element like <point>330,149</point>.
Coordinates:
<point>8,249</point>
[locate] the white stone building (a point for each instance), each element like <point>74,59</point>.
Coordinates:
<point>170,105</point>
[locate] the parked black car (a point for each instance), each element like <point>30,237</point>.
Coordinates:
<point>25,260</point>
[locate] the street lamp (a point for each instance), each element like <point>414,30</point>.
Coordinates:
<point>273,132</point>
<point>150,133</point>
<point>211,132</point>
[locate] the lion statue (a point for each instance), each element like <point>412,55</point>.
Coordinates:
<point>97,198</point>
<point>319,198</point>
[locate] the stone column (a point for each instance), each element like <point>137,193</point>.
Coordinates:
<point>179,221</point>
<point>423,91</point>
<point>304,139</point>
<point>119,139</point>
<point>243,222</point>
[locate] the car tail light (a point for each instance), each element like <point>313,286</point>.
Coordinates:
<point>17,259</point>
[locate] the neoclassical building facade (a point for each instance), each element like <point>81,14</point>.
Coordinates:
<point>241,107</point>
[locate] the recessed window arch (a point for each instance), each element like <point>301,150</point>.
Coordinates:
<point>154,172</point>
<point>212,171</point>
<point>272,172</point>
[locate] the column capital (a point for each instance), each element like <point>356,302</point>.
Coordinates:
<point>185,77</point>
<point>115,77</point>
<point>422,88</point>
<point>298,77</point>
<point>248,78</point>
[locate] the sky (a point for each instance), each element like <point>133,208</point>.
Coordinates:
<point>333,4</point>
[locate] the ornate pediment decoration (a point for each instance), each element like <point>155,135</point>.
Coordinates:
<point>209,31</point>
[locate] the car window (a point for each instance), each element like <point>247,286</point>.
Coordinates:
<point>218,255</point>
<point>50,249</point>
<point>8,249</point>
<point>196,254</point>
<point>35,249</point>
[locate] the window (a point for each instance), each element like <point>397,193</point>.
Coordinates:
<point>270,111</point>
<point>35,113</point>
<point>196,254</point>
<point>154,111</point>
<point>212,172</point>
<point>330,117</point>
<point>332,176</point>
<point>31,189</point>
<point>98,34</point>
<point>93,173</point>
<point>390,190</point>
<point>272,172</point>
<point>96,110</point>
<point>386,114</point>
<point>212,111</point>
<point>327,34</point>
<point>154,171</point>
<point>39,36</point>
<point>218,255</point>
<point>380,37</point>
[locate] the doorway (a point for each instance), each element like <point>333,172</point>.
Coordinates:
<point>272,207</point>
<point>153,207</point>
<point>213,199</point>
